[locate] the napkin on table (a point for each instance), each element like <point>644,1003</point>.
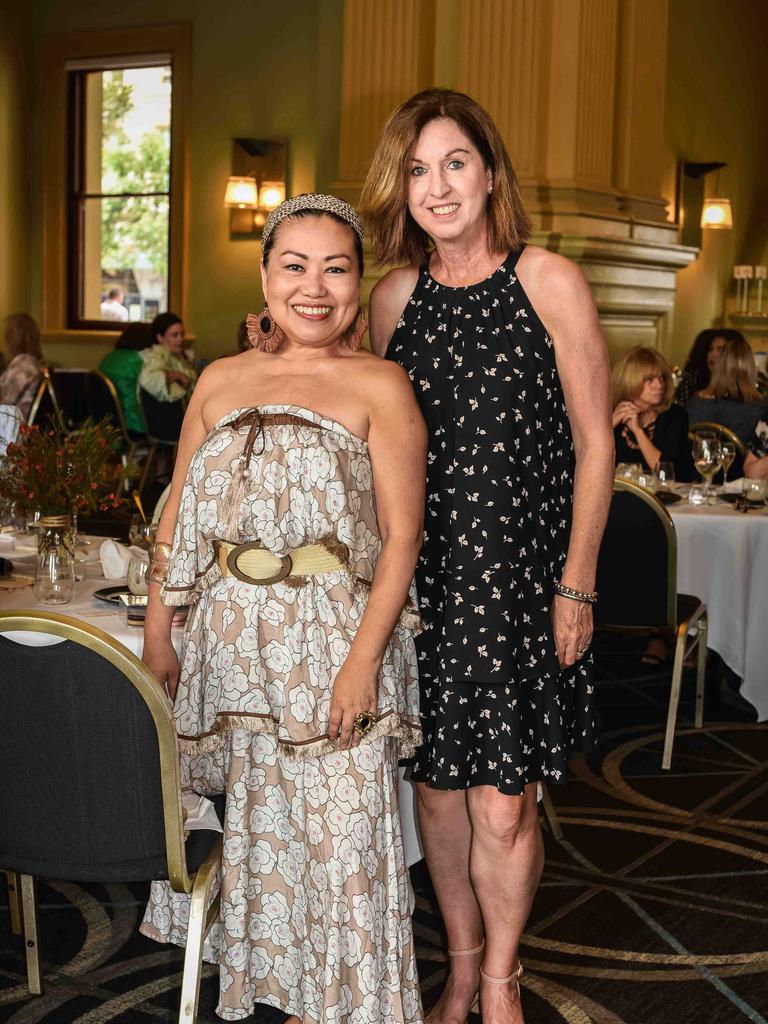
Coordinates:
<point>114,560</point>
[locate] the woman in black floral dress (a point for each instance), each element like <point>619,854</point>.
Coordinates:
<point>503,346</point>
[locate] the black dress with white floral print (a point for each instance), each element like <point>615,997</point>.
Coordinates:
<point>496,709</point>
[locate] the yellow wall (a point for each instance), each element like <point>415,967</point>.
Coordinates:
<point>15,40</point>
<point>259,69</point>
<point>715,110</point>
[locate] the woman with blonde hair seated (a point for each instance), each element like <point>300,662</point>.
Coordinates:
<point>731,397</point>
<point>647,427</point>
<point>18,382</point>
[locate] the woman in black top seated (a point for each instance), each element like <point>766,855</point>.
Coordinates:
<point>647,428</point>
<point>732,398</point>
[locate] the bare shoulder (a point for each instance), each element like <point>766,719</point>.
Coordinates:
<point>388,300</point>
<point>541,269</point>
<point>380,373</point>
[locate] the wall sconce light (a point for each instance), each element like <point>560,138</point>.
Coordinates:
<point>242,193</point>
<point>257,184</point>
<point>717,214</point>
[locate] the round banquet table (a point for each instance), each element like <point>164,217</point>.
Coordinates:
<point>85,607</point>
<point>722,559</point>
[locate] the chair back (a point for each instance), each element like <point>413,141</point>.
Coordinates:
<point>69,388</point>
<point>103,400</point>
<point>724,434</point>
<point>45,411</point>
<point>163,419</point>
<point>89,758</point>
<point>637,564</point>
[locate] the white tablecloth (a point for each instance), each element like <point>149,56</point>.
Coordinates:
<point>723,560</point>
<point>96,613</point>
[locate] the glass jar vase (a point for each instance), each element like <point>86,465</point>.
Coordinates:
<point>55,570</point>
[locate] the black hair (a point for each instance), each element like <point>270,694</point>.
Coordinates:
<point>114,292</point>
<point>135,337</point>
<point>696,363</point>
<point>161,323</point>
<point>267,249</point>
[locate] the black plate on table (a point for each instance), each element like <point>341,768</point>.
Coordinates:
<point>668,497</point>
<point>111,594</point>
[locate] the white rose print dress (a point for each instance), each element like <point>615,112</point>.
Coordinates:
<point>314,909</point>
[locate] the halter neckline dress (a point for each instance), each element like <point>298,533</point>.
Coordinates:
<point>496,708</point>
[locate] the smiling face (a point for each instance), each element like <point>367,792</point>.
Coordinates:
<point>448,183</point>
<point>311,282</point>
<point>173,339</point>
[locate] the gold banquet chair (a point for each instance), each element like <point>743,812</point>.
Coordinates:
<point>637,584</point>
<point>91,791</point>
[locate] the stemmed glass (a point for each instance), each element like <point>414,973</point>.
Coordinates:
<point>706,459</point>
<point>727,455</point>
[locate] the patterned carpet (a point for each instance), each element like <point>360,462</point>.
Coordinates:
<point>653,910</point>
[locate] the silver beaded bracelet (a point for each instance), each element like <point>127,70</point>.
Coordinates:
<point>586,597</point>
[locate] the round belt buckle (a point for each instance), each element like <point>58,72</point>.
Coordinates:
<point>286,566</point>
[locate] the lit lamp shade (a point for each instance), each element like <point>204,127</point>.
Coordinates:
<point>241,193</point>
<point>717,214</point>
<point>271,194</point>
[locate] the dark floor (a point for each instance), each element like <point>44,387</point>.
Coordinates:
<point>653,910</point>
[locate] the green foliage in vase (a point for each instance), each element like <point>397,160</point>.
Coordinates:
<point>57,473</point>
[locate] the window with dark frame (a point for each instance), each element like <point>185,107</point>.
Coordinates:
<point>119,190</point>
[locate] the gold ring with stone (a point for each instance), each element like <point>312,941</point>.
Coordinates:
<point>364,722</point>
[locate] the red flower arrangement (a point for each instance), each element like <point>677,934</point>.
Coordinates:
<point>58,474</point>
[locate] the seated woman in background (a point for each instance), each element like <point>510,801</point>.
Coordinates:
<point>731,398</point>
<point>647,428</point>
<point>19,380</point>
<point>123,366</point>
<point>704,353</point>
<point>167,374</point>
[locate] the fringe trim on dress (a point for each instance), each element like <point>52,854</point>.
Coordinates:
<point>174,596</point>
<point>407,733</point>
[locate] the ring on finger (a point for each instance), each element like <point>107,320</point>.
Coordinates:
<point>364,722</point>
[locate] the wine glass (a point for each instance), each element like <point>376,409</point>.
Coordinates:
<point>665,473</point>
<point>706,459</point>
<point>727,455</point>
<point>141,533</point>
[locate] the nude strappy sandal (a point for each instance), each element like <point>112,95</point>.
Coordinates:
<point>453,953</point>
<point>514,976</point>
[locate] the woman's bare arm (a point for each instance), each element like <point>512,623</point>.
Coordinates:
<point>397,441</point>
<point>388,300</point>
<point>565,305</point>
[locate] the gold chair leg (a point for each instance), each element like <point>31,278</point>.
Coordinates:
<point>551,814</point>
<point>14,902</point>
<point>201,917</point>
<point>674,698</point>
<point>31,938</point>
<point>701,668</point>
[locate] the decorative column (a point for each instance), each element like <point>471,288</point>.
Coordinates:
<point>388,56</point>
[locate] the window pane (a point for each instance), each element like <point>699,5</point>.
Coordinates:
<point>125,248</point>
<point>127,130</point>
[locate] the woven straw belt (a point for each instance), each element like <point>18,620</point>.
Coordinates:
<point>253,563</point>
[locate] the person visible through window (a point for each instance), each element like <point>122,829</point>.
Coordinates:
<point>112,307</point>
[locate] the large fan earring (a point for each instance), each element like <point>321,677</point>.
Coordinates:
<point>263,333</point>
<point>359,327</point>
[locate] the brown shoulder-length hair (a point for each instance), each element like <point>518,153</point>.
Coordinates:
<point>735,372</point>
<point>22,335</point>
<point>395,235</point>
<point>630,372</point>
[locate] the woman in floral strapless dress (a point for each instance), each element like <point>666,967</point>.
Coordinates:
<point>314,900</point>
